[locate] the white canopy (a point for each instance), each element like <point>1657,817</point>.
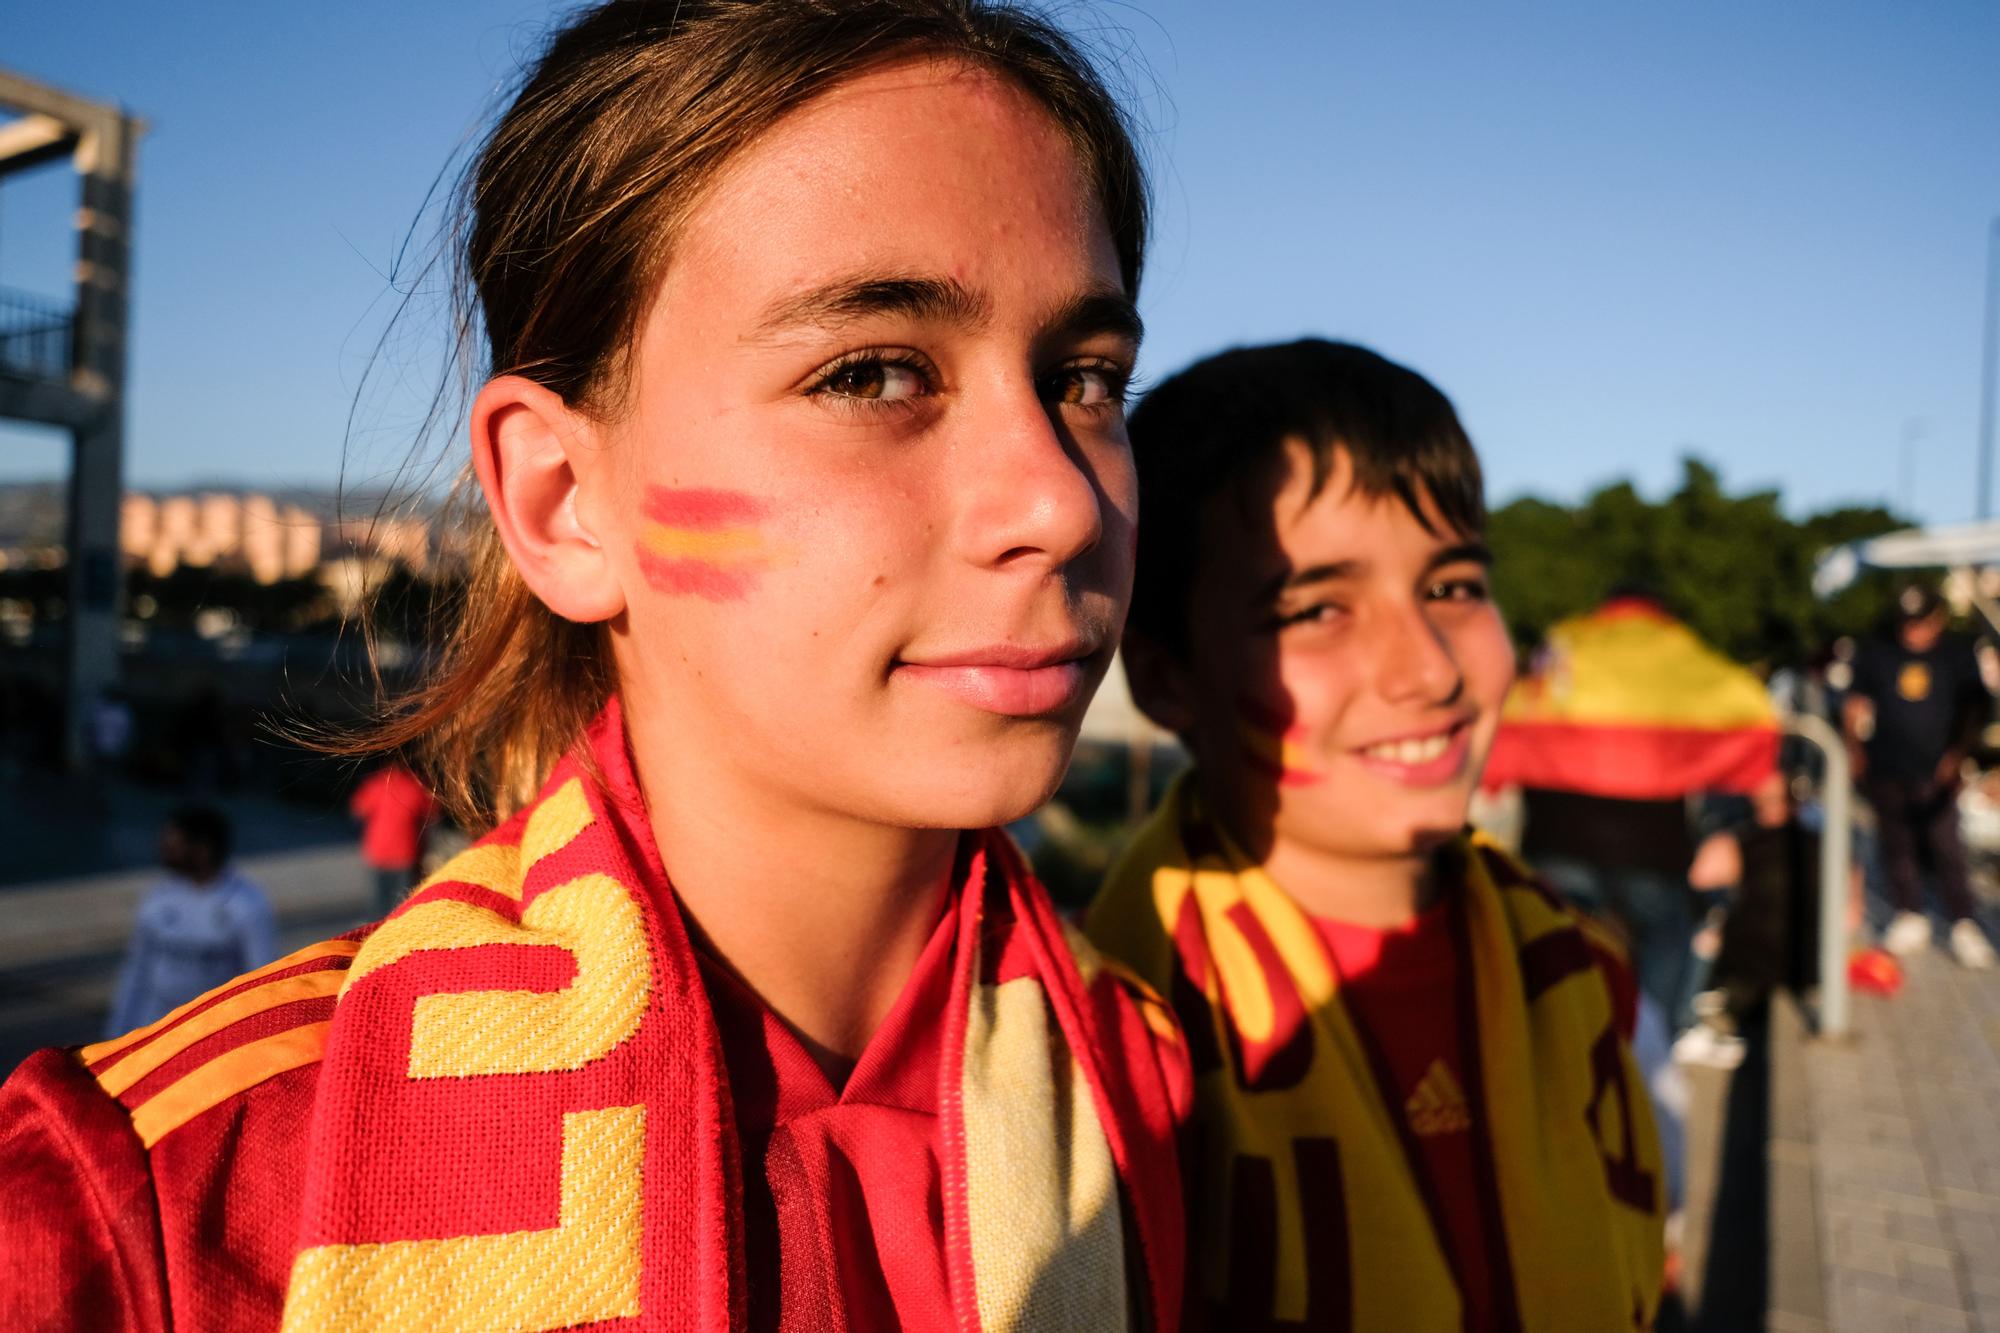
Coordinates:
<point>1962,546</point>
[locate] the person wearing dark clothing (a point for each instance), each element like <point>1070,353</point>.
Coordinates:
<point>1914,713</point>
<point>1627,860</point>
<point>1769,939</point>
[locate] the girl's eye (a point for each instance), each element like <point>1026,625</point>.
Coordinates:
<point>874,380</point>
<point>1088,386</point>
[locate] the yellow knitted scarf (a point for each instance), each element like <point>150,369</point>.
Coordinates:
<point>1297,1144</point>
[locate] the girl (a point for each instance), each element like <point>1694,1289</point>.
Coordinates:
<point>807,328</point>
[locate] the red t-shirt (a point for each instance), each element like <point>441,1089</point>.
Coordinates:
<point>1406,992</point>
<point>393,807</point>
<point>842,1190</point>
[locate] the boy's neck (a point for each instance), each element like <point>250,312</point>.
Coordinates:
<point>823,916</point>
<point>1379,893</point>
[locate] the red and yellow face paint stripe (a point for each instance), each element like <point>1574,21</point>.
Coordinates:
<point>704,543</point>
<point>1275,745</point>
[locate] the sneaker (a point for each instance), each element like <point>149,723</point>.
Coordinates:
<point>1705,1046</point>
<point>1969,945</point>
<point>1909,933</point>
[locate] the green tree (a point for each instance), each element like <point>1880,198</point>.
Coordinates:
<point>1734,567</point>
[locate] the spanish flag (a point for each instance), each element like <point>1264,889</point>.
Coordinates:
<point>1627,702</point>
<point>705,543</point>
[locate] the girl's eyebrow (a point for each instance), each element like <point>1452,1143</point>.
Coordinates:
<point>944,300</point>
<point>1098,312</point>
<point>941,300</point>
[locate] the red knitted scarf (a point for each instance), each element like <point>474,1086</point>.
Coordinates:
<point>523,1120</point>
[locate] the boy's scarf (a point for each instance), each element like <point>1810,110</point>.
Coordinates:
<point>1308,1212</point>
<point>523,1120</point>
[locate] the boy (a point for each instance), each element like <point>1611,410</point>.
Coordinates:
<point>1416,1109</point>
<point>202,923</point>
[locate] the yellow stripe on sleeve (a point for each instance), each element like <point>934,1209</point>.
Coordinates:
<point>306,986</point>
<point>226,1075</point>
<point>92,1054</point>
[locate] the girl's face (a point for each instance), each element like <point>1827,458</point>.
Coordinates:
<point>1346,670</point>
<point>869,498</point>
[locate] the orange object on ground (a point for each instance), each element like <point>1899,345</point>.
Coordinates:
<point>1875,971</point>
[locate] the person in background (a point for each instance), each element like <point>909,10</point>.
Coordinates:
<point>1416,1105</point>
<point>201,924</point>
<point>1913,715</point>
<point>1628,861</point>
<point>395,808</point>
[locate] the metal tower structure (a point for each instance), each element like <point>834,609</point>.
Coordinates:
<point>65,366</point>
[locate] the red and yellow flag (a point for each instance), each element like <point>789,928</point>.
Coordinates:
<point>1628,702</point>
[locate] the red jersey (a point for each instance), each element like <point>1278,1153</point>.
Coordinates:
<point>393,806</point>
<point>512,1103</point>
<point>842,1185</point>
<point>1405,989</point>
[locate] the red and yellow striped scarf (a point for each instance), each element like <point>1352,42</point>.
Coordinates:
<point>523,1120</point>
<point>1291,1121</point>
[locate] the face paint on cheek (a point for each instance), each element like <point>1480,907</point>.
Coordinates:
<point>1275,745</point>
<point>704,543</point>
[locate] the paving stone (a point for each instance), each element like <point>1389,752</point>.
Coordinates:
<point>1905,1132</point>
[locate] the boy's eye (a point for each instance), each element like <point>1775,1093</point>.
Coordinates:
<point>1458,590</point>
<point>1087,386</point>
<point>874,379</point>
<point>1317,614</point>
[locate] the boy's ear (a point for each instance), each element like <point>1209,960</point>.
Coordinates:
<point>528,449</point>
<point>1158,681</point>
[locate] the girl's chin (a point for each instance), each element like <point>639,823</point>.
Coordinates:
<point>953,796</point>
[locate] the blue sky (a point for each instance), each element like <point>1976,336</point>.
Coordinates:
<point>1613,232</point>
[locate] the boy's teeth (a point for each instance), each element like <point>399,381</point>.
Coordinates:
<point>1410,751</point>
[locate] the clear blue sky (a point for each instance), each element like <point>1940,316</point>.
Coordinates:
<point>1613,232</point>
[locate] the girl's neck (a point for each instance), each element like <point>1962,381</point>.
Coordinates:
<point>1380,893</point>
<point>824,916</point>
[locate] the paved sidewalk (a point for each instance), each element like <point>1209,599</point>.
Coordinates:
<point>1903,1123</point>
<point>63,939</point>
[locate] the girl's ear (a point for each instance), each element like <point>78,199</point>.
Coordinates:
<point>530,450</point>
<point>1158,682</point>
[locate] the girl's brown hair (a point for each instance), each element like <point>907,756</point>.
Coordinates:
<point>564,223</point>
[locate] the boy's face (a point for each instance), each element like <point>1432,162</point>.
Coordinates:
<point>1345,673</point>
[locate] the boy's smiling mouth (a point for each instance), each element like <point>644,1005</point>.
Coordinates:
<point>1426,760</point>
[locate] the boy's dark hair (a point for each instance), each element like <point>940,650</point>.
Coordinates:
<point>205,826</point>
<point>1202,432</point>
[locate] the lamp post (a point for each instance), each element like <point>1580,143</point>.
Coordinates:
<point>1989,351</point>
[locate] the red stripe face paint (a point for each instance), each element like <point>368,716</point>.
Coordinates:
<point>703,543</point>
<point>1275,745</point>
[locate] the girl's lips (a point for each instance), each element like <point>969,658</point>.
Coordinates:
<point>1431,770</point>
<point>1010,691</point>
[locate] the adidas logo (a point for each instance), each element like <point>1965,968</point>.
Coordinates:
<point>1438,1104</point>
